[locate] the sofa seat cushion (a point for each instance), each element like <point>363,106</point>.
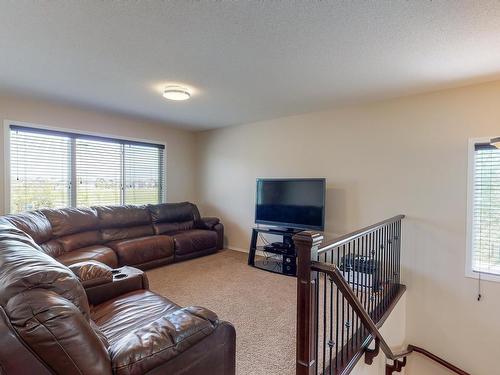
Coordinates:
<point>140,250</point>
<point>128,312</point>
<point>145,330</point>
<point>194,240</point>
<point>100,253</point>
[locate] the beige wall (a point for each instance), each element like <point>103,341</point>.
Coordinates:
<point>393,331</point>
<point>180,144</point>
<point>401,156</point>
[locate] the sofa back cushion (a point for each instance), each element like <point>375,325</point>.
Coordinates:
<point>71,220</point>
<point>33,223</point>
<point>73,228</point>
<point>58,333</point>
<point>24,266</point>
<point>122,222</point>
<point>173,217</point>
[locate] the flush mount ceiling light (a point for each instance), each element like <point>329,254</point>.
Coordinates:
<point>177,93</point>
<point>495,142</point>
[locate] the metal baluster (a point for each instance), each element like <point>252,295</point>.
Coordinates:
<point>387,262</point>
<point>389,255</point>
<point>378,251</point>
<point>386,250</point>
<point>390,248</point>
<point>393,258</point>
<point>353,316</point>
<point>343,310</point>
<point>349,312</point>
<point>364,294</point>
<point>316,328</point>
<point>399,252</point>
<point>324,317</point>
<point>371,276</point>
<point>337,322</point>
<point>381,260</point>
<point>330,342</point>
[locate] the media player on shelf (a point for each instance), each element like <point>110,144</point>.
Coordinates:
<point>284,249</point>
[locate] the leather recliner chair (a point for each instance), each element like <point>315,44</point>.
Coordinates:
<point>47,325</point>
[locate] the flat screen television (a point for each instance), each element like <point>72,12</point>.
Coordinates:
<point>291,203</point>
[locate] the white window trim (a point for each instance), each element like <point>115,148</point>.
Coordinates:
<point>7,123</point>
<point>470,203</point>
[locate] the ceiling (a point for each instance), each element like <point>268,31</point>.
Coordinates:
<point>246,60</point>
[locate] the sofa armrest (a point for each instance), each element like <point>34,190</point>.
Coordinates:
<point>125,280</point>
<point>219,229</point>
<point>207,223</point>
<point>189,340</point>
<point>92,273</point>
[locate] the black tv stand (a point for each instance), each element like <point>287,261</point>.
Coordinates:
<point>280,257</point>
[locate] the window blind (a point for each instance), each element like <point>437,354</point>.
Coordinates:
<point>143,174</point>
<point>52,169</point>
<point>39,171</point>
<point>98,173</point>
<point>486,210</point>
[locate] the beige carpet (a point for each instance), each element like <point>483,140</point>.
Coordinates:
<point>260,304</point>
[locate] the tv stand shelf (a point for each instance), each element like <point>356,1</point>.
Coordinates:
<point>282,261</point>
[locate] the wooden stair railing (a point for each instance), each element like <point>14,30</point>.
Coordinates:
<point>330,336</point>
<point>337,277</point>
<point>318,275</point>
<point>339,280</point>
<point>435,358</point>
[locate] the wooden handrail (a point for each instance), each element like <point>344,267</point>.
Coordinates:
<point>337,277</point>
<point>437,359</point>
<point>341,283</point>
<point>338,241</point>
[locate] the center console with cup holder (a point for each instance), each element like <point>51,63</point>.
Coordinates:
<point>125,279</point>
<point>102,282</point>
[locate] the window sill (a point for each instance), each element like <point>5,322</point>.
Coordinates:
<point>484,276</point>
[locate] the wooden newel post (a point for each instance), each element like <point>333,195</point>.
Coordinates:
<point>306,245</point>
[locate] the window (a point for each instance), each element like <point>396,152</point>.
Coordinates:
<point>39,170</point>
<point>98,172</point>
<point>484,211</point>
<point>52,169</point>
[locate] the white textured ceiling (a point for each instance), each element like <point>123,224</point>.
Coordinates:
<point>248,60</point>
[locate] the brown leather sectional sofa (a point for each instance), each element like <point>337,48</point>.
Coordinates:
<point>139,236</point>
<point>91,318</point>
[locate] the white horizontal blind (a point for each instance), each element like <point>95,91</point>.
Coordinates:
<point>143,174</point>
<point>98,173</point>
<point>39,171</point>
<point>52,169</point>
<point>486,210</point>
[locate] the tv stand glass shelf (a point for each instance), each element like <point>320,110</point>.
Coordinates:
<point>279,257</point>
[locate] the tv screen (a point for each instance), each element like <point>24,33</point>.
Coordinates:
<point>291,203</point>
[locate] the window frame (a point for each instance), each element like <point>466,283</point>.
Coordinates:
<point>7,177</point>
<point>470,207</point>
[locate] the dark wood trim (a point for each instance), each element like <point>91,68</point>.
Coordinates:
<point>396,366</point>
<point>306,245</point>
<point>361,232</point>
<point>437,359</point>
